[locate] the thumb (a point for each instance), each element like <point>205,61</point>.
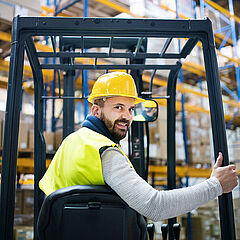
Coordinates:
<point>219,161</point>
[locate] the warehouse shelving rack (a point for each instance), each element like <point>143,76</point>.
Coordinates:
<point>25,28</point>
<point>197,69</point>
<point>230,36</point>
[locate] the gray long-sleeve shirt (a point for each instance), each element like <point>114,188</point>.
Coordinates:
<point>151,203</point>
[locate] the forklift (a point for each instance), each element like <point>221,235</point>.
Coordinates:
<point>90,212</point>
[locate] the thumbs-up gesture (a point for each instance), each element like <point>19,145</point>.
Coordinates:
<point>227,176</point>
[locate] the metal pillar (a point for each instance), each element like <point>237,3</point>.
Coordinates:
<point>219,133</point>
<point>85,72</point>
<point>171,141</point>
<point>184,131</point>
<point>9,158</point>
<point>137,129</point>
<point>68,103</point>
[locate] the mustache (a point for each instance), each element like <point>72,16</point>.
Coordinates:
<point>123,120</point>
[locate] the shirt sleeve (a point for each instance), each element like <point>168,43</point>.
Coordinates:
<point>149,202</point>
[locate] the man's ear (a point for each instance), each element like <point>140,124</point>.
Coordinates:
<point>96,111</point>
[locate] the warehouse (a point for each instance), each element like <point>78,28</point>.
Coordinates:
<point>79,76</point>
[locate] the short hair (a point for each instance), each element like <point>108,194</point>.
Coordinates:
<point>99,101</point>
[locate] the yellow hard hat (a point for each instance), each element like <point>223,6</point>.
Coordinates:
<point>149,104</point>
<point>115,84</point>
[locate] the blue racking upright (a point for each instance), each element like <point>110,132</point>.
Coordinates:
<point>229,32</point>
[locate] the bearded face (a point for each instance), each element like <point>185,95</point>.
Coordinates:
<point>116,113</point>
<point>117,128</point>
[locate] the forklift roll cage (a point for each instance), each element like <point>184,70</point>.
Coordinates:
<point>86,33</point>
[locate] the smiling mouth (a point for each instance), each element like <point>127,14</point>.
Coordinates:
<point>122,126</point>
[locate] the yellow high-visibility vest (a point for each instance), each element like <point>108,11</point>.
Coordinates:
<point>139,117</point>
<point>77,161</point>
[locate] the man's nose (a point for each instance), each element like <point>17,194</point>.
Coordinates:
<point>127,115</point>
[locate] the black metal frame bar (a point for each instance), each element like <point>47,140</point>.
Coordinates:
<point>22,31</point>
<point>171,141</point>
<point>39,142</point>
<point>69,91</point>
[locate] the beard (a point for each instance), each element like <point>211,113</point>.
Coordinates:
<point>116,133</point>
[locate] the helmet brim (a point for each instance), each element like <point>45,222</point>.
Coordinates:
<point>137,99</point>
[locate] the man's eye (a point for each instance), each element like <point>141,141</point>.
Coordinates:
<point>131,110</point>
<point>119,107</point>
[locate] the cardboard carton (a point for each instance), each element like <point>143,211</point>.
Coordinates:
<point>50,141</point>
<point>23,233</point>
<point>28,201</point>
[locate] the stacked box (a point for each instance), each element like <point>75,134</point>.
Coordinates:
<point>28,201</point>
<point>158,135</point>
<point>198,138</point>
<point>58,138</point>
<point>153,135</point>
<point>1,133</point>
<point>158,143</point>
<point>18,201</point>
<point>205,121</point>
<point>162,131</point>
<point>236,205</point>
<point>11,8</point>
<point>193,138</point>
<point>24,202</point>
<point>193,129</point>
<point>233,145</point>
<point>23,219</point>
<point>6,12</point>
<point>180,149</point>
<point>154,139</point>
<point>206,225</point>
<point>22,136</point>
<point>194,154</point>
<point>31,139</point>
<point>204,136</point>
<point>200,154</point>
<point>198,134</point>
<point>23,233</point>
<point>50,141</point>
<point>198,227</point>
<point>234,148</point>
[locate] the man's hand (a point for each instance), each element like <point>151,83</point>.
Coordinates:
<point>227,176</point>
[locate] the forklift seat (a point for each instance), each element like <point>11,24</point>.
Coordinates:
<point>89,213</point>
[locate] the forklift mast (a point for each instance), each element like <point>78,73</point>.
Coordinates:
<point>130,37</point>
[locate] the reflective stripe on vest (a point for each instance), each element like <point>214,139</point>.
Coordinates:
<point>77,161</point>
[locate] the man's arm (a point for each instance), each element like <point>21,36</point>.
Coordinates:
<point>151,203</point>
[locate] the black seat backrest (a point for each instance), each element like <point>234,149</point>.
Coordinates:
<point>89,213</point>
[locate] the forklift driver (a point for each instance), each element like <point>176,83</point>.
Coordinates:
<point>92,156</point>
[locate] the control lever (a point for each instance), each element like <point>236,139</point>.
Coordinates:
<point>176,231</point>
<point>164,229</point>
<point>151,229</point>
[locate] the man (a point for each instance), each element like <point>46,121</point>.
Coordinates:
<point>92,155</point>
<point>148,113</point>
